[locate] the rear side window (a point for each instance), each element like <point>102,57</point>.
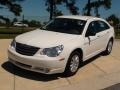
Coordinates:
<point>97,26</point>
<point>102,25</point>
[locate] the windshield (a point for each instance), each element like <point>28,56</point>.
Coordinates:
<point>65,25</point>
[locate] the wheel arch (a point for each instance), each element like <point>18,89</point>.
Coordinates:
<point>78,50</point>
<point>111,39</point>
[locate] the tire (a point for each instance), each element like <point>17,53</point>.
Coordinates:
<point>109,47</point>
<point>73,64</point>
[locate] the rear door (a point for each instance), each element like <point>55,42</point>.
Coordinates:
<point>103,34</point>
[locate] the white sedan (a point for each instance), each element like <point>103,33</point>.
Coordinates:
<point>20,24</point>
<point>62,45</point>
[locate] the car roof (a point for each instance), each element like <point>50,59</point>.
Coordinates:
<point>78,17</point>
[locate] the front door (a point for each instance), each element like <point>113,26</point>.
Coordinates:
<point>92,41</point>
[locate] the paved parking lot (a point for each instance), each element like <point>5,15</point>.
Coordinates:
<point>99,72</point>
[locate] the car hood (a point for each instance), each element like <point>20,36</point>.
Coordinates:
<point>42,38</point>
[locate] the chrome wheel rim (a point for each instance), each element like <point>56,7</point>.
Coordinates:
<point>109,46</point>
<point>74,63</point>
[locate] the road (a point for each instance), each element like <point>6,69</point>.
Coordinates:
<point>100,72</point>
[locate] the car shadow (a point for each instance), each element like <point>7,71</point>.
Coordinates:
<point>92,59</point>
<point>8,66</point>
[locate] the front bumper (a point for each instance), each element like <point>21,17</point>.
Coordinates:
<point>42,64</point>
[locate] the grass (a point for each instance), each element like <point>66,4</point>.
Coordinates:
<point>117,34</point>
<point>7,36</point>
<point>14,30</point>
<point>6,33</point>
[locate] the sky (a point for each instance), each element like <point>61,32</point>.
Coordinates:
<point>36,9</point>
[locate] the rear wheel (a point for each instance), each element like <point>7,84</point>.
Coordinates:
<point>73,64</point>
<point>109,47</point>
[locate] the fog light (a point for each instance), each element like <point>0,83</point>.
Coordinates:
<point>39,68</point>
<point>46,70</point>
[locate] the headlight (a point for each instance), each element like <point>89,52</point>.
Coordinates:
<point>13,43</point>
<point>53,51</point>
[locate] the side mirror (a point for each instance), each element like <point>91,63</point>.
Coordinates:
<point>90,33</point>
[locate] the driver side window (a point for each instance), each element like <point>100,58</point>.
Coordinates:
<point>91,28</point>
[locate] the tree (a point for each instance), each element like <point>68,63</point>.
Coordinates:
<point>34,23</point>
<point>105,3</point>
<point>89,8</point>
<point>70,4</point>
<point>58,13</point>
<point>7,21</point>
<point>12,6</point>
<point>51,7</point>
<point>14,20</point>
<point>113,18</point>
<point>96,5</point>
<point>53,10</point>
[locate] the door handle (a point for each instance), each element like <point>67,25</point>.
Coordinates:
<point>98,36</point>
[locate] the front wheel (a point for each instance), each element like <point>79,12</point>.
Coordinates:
<point>73,64</point>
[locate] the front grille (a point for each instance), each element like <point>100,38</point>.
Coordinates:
<point>26,49</point>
